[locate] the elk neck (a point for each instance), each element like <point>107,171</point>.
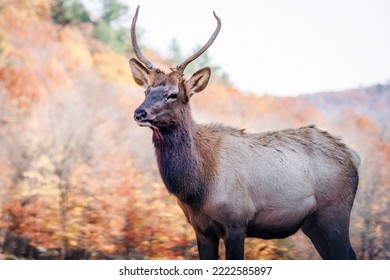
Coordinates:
<point>180,161</point>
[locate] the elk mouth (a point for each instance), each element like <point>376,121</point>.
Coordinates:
<point>142,118</point>
<point>145,123</point>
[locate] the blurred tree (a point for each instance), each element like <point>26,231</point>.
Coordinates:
<point>174,52</point>
<point>69,11</point>
<point>369,222</point>
<point>59,189</point>
<point>106,29</point>
<point>113,11</point>
<point>115,38</point>
<point>373,201</point>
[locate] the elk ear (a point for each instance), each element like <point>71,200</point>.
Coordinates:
<point>141,75</point>
<point>198,81</point>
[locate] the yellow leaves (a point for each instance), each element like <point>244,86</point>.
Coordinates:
<point>44,162</point>
<point>163,239</point>
<point>40,178</point>
<point>73,51</point>
<point>113,67</point>
<point>167,215</point>
<point>40,8</point>
<point>73,243</point>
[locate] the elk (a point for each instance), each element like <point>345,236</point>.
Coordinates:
<point>231,184</point>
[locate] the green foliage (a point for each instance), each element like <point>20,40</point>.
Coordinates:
<point>105,30</point>
<point>115,38</point>
<point>69,11</point>
<point>113,10</point>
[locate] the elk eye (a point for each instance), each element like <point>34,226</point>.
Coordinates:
<point>172,96</point>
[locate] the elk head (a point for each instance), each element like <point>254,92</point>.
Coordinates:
<point>166,94</point>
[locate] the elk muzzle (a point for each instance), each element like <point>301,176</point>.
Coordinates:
<point>143,117</point>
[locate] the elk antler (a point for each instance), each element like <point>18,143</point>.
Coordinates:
<point>137,51</point>
<point>184,64</point>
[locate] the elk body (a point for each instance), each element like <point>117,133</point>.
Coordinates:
<point>231,184</point>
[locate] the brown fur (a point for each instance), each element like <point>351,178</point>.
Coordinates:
<point>163,79</point>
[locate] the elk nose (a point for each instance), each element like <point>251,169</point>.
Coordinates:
<point>140,114</point>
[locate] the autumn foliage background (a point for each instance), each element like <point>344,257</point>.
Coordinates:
<point>77,174</point>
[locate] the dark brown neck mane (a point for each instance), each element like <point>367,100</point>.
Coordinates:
<point>179,162</point>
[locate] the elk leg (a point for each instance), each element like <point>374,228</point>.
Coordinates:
<point>207,246</point>
<point>339,245</point>
<point>234,244</point>
<point>317,238</point>
<point>335,230</point>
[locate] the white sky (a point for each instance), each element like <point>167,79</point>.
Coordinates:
<point>279,47</point>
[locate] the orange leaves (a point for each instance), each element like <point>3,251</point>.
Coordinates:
<point>31,217</point>
<point>156,225</point>
<point>22,85</point>
<point>366,125</point>
<point>24,29</point>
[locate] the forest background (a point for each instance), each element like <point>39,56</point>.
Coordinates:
<point>78,177</point>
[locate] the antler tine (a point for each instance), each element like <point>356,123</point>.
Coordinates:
<point>137,51</point>
<point>184,64</point>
